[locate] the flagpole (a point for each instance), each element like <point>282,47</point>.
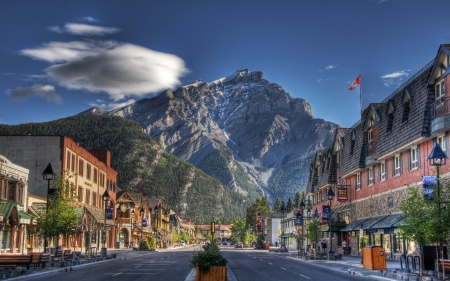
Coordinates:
<point>360,94</point>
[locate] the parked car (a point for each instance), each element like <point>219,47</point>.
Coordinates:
<point>182,243</point>
<point>239,245</point>
<point>224,243</point>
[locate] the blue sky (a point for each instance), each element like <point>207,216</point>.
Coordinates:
<point>58,58</point>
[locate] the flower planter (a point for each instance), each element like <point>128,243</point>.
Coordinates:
<point>215,273</point>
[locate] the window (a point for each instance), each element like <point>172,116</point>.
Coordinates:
<point>414,157</point>
<point>80,194</point>
<point>12,192</point>
<point>397,165</point>
<point>390,121</point>
<point>88,197</point>
<point>80,167</point>
<point>406,109</point>
<point>442,141</point>
<point>369,137</point>
<point>382,171</point>
<point>370,176</point>
<point>73,163</point>
<point>95,175</point>
<point>4,189</point>
<point>440,90</point>
<point>88,171</point>
<point>358,181</point>
<point>68,161</point>
<point>94,199</point>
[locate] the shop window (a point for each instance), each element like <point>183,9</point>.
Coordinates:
<point>95,175</point>
<point>88,171</point>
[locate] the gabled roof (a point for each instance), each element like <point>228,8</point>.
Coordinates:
<point>444,50</point>
<point>373,110</point>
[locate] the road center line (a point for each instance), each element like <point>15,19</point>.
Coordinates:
<point>117,274</point>
<point>283,268</point>
<point>260,259</point>
<point>270,263</point>
<point>304,276</point>
<point>137,266</point>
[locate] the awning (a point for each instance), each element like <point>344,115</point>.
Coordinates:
<point>388,222</point>
<point>354,225</point>
<point>6,209</point>
<point>369,223</point>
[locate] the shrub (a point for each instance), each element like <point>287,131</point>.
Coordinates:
<point>210,257</point>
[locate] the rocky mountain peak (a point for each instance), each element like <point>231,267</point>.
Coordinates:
<point>234,128</point>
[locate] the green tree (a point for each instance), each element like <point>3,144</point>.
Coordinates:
<point>289,205</point>
<point>297,200</point>
<point>63,215</point>
<point>313,231</point>
<point>416,212</point>
<point>276,206</point>
<point>151,242</point>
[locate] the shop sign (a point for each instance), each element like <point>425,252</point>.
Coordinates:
<point>342,193</point>
<point>324,227</point>
<point>25,221</point>
<point>429,184</point>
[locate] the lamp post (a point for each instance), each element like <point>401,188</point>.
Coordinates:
<point>298,221</point>
<point>106,199</point>
<point>330,197</point>
<point>282,224</point>
<point>116,224</point>
<point>213,229</point>
<point>48,175</point>
<point>308,217</point>
<point>142,222</point>
<point>436,158</point>
<point>156,225</point>
<point>132,226</point>
<point>302,208</point>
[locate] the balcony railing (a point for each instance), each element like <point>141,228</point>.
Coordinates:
<point>440,107</point>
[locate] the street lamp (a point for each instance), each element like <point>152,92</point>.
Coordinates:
<point>48,175</point>
<point>132,226</point>
<point>142,222</point>
<point>298,221</point>
<point>282,224</point>
<point>330,197</point>
<point>436,158</point>
<point>308,217</point>
<point>106,199</point>
<point>213,229</point>
<point>156,225</point>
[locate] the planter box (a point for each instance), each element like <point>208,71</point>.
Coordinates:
<point>215,273</point>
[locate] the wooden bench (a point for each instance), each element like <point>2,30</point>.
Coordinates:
<point>57,257</point>
<point>40,259</point>
<point>445,264</point>
<point>13,261</point>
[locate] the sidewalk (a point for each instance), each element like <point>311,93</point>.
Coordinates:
<point>49,270</point>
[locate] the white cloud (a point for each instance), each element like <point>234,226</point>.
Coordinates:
<point>84,29</point>
<point>66,51</point>
<point>330,67</point>
<point>90,19</point>
<point>44,91</point>
<point>395,78</point>
<point>110,106</point>
<point>119,70</point>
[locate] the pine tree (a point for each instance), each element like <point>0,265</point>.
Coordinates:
<point>276,206</point>
<point>289,205</point>
<point>297,200</point>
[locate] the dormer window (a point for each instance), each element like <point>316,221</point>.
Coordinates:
<point>406,101</point>
<point>390,116</point>
<point>352,145</point>
<point>369,137</point>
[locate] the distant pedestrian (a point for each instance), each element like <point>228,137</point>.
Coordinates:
<point>344,246</point>
<point>324,245</point>
<point>276,243</point>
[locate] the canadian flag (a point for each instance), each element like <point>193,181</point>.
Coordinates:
<point>355,83</point>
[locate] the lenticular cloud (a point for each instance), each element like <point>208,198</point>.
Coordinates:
<point>121,71</point>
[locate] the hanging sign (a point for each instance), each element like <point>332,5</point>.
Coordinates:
<point>342,193</point>
<point>326,213</point>
<point>429,184</point>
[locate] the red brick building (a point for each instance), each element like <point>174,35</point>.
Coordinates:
<point>379,157</point>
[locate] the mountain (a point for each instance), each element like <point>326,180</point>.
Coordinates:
<point>241,129</point>
<point>144,166</point>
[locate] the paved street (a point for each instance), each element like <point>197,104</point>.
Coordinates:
<point>173,264</point>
